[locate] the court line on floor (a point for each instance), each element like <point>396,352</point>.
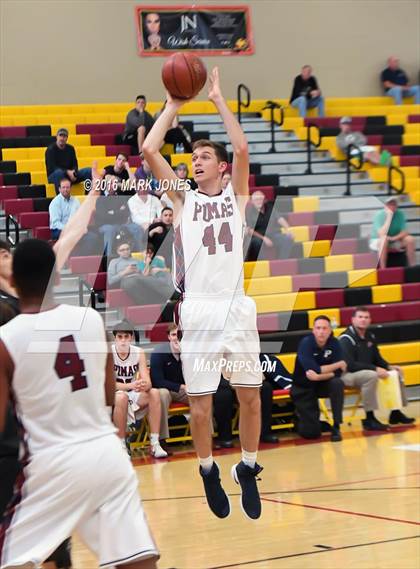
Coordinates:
<point>170,498</point>
<point>317,552</point>
<point>338,511</point>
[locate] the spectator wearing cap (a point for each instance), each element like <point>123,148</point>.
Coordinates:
<point>61,162</point>
<point>306,93</point>
<point>389,233</point>
<point>62,207</point>
<point>348,136</point>
<point>396,84</point>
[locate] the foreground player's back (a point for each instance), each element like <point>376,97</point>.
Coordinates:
<point>59,360</point>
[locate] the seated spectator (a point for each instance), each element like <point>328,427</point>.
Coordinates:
<point>263,227</point>
<point>135,397</point>
<point>113,216</point>
<point>181,171</point>
<point>306,93</point>
<point>390,235</point>
<point>137,125</point>
<point>123,266</point>
<point>144,172</point>
<point>151,283</point>
<point>395,83</point>
<point>161,235</point>
<point>226,180</point>
<point>61,162</point>
<point>177,135</point>
<point>144,209</point>
<point>166,375</point>
<point>366,367</point>
<point>61,208</point>
<point>347,137</point>
<point>120,171</point>
<point>318,369</point>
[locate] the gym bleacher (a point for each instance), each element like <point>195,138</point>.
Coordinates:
<point>330,269</point>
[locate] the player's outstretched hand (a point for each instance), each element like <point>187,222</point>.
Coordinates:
<point>174,102</point>
<point>215,92</point>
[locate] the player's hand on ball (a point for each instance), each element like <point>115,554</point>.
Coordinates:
<point>174,102</point>
<point>215,92</point>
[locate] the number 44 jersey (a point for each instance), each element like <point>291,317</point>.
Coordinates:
<point>208,245</point>
<point>59,358</point>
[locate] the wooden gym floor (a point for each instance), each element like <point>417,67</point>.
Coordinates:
<point>353,504</point>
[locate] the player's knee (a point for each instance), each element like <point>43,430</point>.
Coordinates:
<point>408,240</point>
<point>121,399</point>
<point>154,396</point>
<point>249,397</point>
<point>200,411</point>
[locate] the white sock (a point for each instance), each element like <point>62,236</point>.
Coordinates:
<point>249,458</point>
<point>154,438</point>
<point>206,463</point>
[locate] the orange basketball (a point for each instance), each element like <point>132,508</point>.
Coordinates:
<point>184,75</point>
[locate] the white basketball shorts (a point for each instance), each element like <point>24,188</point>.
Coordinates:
<point>89,487</point>
<point>219,337</point>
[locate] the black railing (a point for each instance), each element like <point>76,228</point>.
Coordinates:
<point>10,220</point>
<point>309,144</point>
<point>350,165</point>
<point>84,285</point>
<point>243,89</point>
<point>272,105</point>
<point>402,178</point>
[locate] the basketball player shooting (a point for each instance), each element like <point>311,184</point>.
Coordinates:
<point>216,319</point>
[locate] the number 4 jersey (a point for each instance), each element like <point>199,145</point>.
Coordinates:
<point>59,358</point>
<point>208,254</point>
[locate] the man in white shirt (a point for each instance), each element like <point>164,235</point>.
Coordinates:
<point>62,207</point>
<point>144,208</point>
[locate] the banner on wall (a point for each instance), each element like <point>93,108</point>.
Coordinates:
<point>205,30</point>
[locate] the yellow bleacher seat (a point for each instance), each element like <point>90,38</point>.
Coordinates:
<point>401,353</point>
<point>362,277</point>
<point>316,248</point>
<point>256,269</point>
<point>306,203</point>
<point>50,190</point>
<point>177,158</point>
<point>288,360</point>
<point>92,152</point>
<point>332,313</point>
<point>386,293</point>
<point>338,263</point>
<point>300,232</point>
<point>268,285</point>
<point>79,139</point>
<point>408,139</point>
<point>411,374</point>
<point>285,302</point>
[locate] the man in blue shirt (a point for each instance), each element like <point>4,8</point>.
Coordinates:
<point>318,368</point>
<point>395,83</point>
<point>62,207</point>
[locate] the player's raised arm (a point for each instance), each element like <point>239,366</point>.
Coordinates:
<point>151,147</point>
<point>240,166</point>
<point>77,225</point>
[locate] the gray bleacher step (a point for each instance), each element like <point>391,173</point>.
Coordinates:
<point>288,156</point>
<point>246,127</point>
<point>215,118</point>
<point>68,284</point>
<point>320,177</point>
<point>71,298</point>
<point>281,146</point>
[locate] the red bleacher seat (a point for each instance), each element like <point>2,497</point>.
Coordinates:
<point>43,233</point>
<point>329,298</point>
<point>80,265</point>
<point>277,392</point>
<point>310,281</point>
<point>375,139</point>
<point>301,218</point>
<point>284,267</point>
<point>148,314</point>
<point>414,118</point>
<point>12,131</point>
<point>344,246</point>
<point>408,310</point>
<point>134,161</point>
<point>96,280</point>
<point>392,148</point>
<point>411,291</point>
<point>410,160</point>
<point>114,149</point>
<point>8,193</point>
<point>16,206</point>
<point>365,261</point>
<point>102,139</point>
<point>322,232</point>
<point>32,220</point>
<point>104,128</point>
<point>391,275</point>
<point>117,298</point>
<point>267,322</point>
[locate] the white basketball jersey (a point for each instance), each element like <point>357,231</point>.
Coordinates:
<point>126,369</point>
<point>59,375</point>
<point>208,253</point>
